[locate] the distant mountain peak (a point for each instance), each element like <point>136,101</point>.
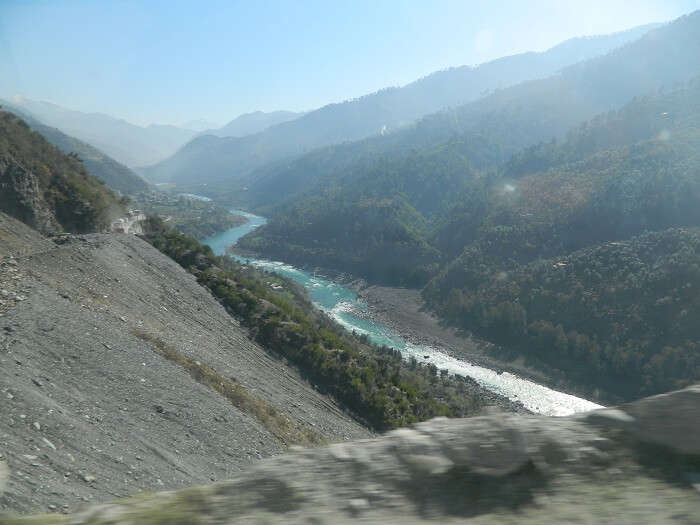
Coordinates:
<point>252,122</point>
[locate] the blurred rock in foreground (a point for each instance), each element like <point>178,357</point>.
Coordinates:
<point>637,463</point>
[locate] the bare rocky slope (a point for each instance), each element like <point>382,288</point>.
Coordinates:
<point>119,373</point>
<point>638,463</point>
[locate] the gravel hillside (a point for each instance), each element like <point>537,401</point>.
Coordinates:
<point>119,373</point>
<point>16,238</point>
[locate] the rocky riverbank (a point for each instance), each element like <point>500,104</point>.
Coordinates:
<point>471,386</point>
<point>403,311</point>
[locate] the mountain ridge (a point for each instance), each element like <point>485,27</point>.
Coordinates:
<point>47,189</point>
<point>115,175</point>
<point>482,135</point>
<point>128,143</point>
<point>354,119</point>
<point>253,122</point>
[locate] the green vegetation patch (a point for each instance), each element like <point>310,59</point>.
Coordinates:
<point>79,202</point>
<point>190,216</point>
<point>621,316</point>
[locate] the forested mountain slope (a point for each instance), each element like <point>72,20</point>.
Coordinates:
<point>499,125</point>
<point>606,306</point>
<point>47,189</point>
<point>614,178</point>
<point>619,316</point>
<point>474,139</point>
<point>375,219</point>
<point>210,159</point>
<point>622,173</point>
<point>112,173</point>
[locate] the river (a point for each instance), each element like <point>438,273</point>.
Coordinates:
<point>341,303</point>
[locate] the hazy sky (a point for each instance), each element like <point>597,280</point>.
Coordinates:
<point>171,61</point>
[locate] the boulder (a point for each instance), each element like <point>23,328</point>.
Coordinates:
<point>670,420</point>
<point>490,446</point>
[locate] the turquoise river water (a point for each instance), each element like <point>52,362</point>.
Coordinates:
<point>340,303</point>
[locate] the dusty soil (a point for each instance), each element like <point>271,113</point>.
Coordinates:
<point>89,411</point>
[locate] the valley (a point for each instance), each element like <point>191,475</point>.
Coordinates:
<point>513,228</point>
<point>393,262</point>
<point>344,306</point>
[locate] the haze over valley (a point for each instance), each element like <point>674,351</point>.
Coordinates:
<point>339,261</point>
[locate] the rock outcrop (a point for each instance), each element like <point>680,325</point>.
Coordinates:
<point>636,464</point>
<point>670,420</point>
<point>21,196</point>
<point>47,189</point>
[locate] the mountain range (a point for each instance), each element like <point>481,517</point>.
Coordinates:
<point>112,173</point>
<point>543,209</point>
<point>134,145</point>
<point>128,143</point>
<point>209,159</point>
<point>251,123</point>
<point>425,166</point>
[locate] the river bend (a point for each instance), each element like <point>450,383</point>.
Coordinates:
<point>342,304</point>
